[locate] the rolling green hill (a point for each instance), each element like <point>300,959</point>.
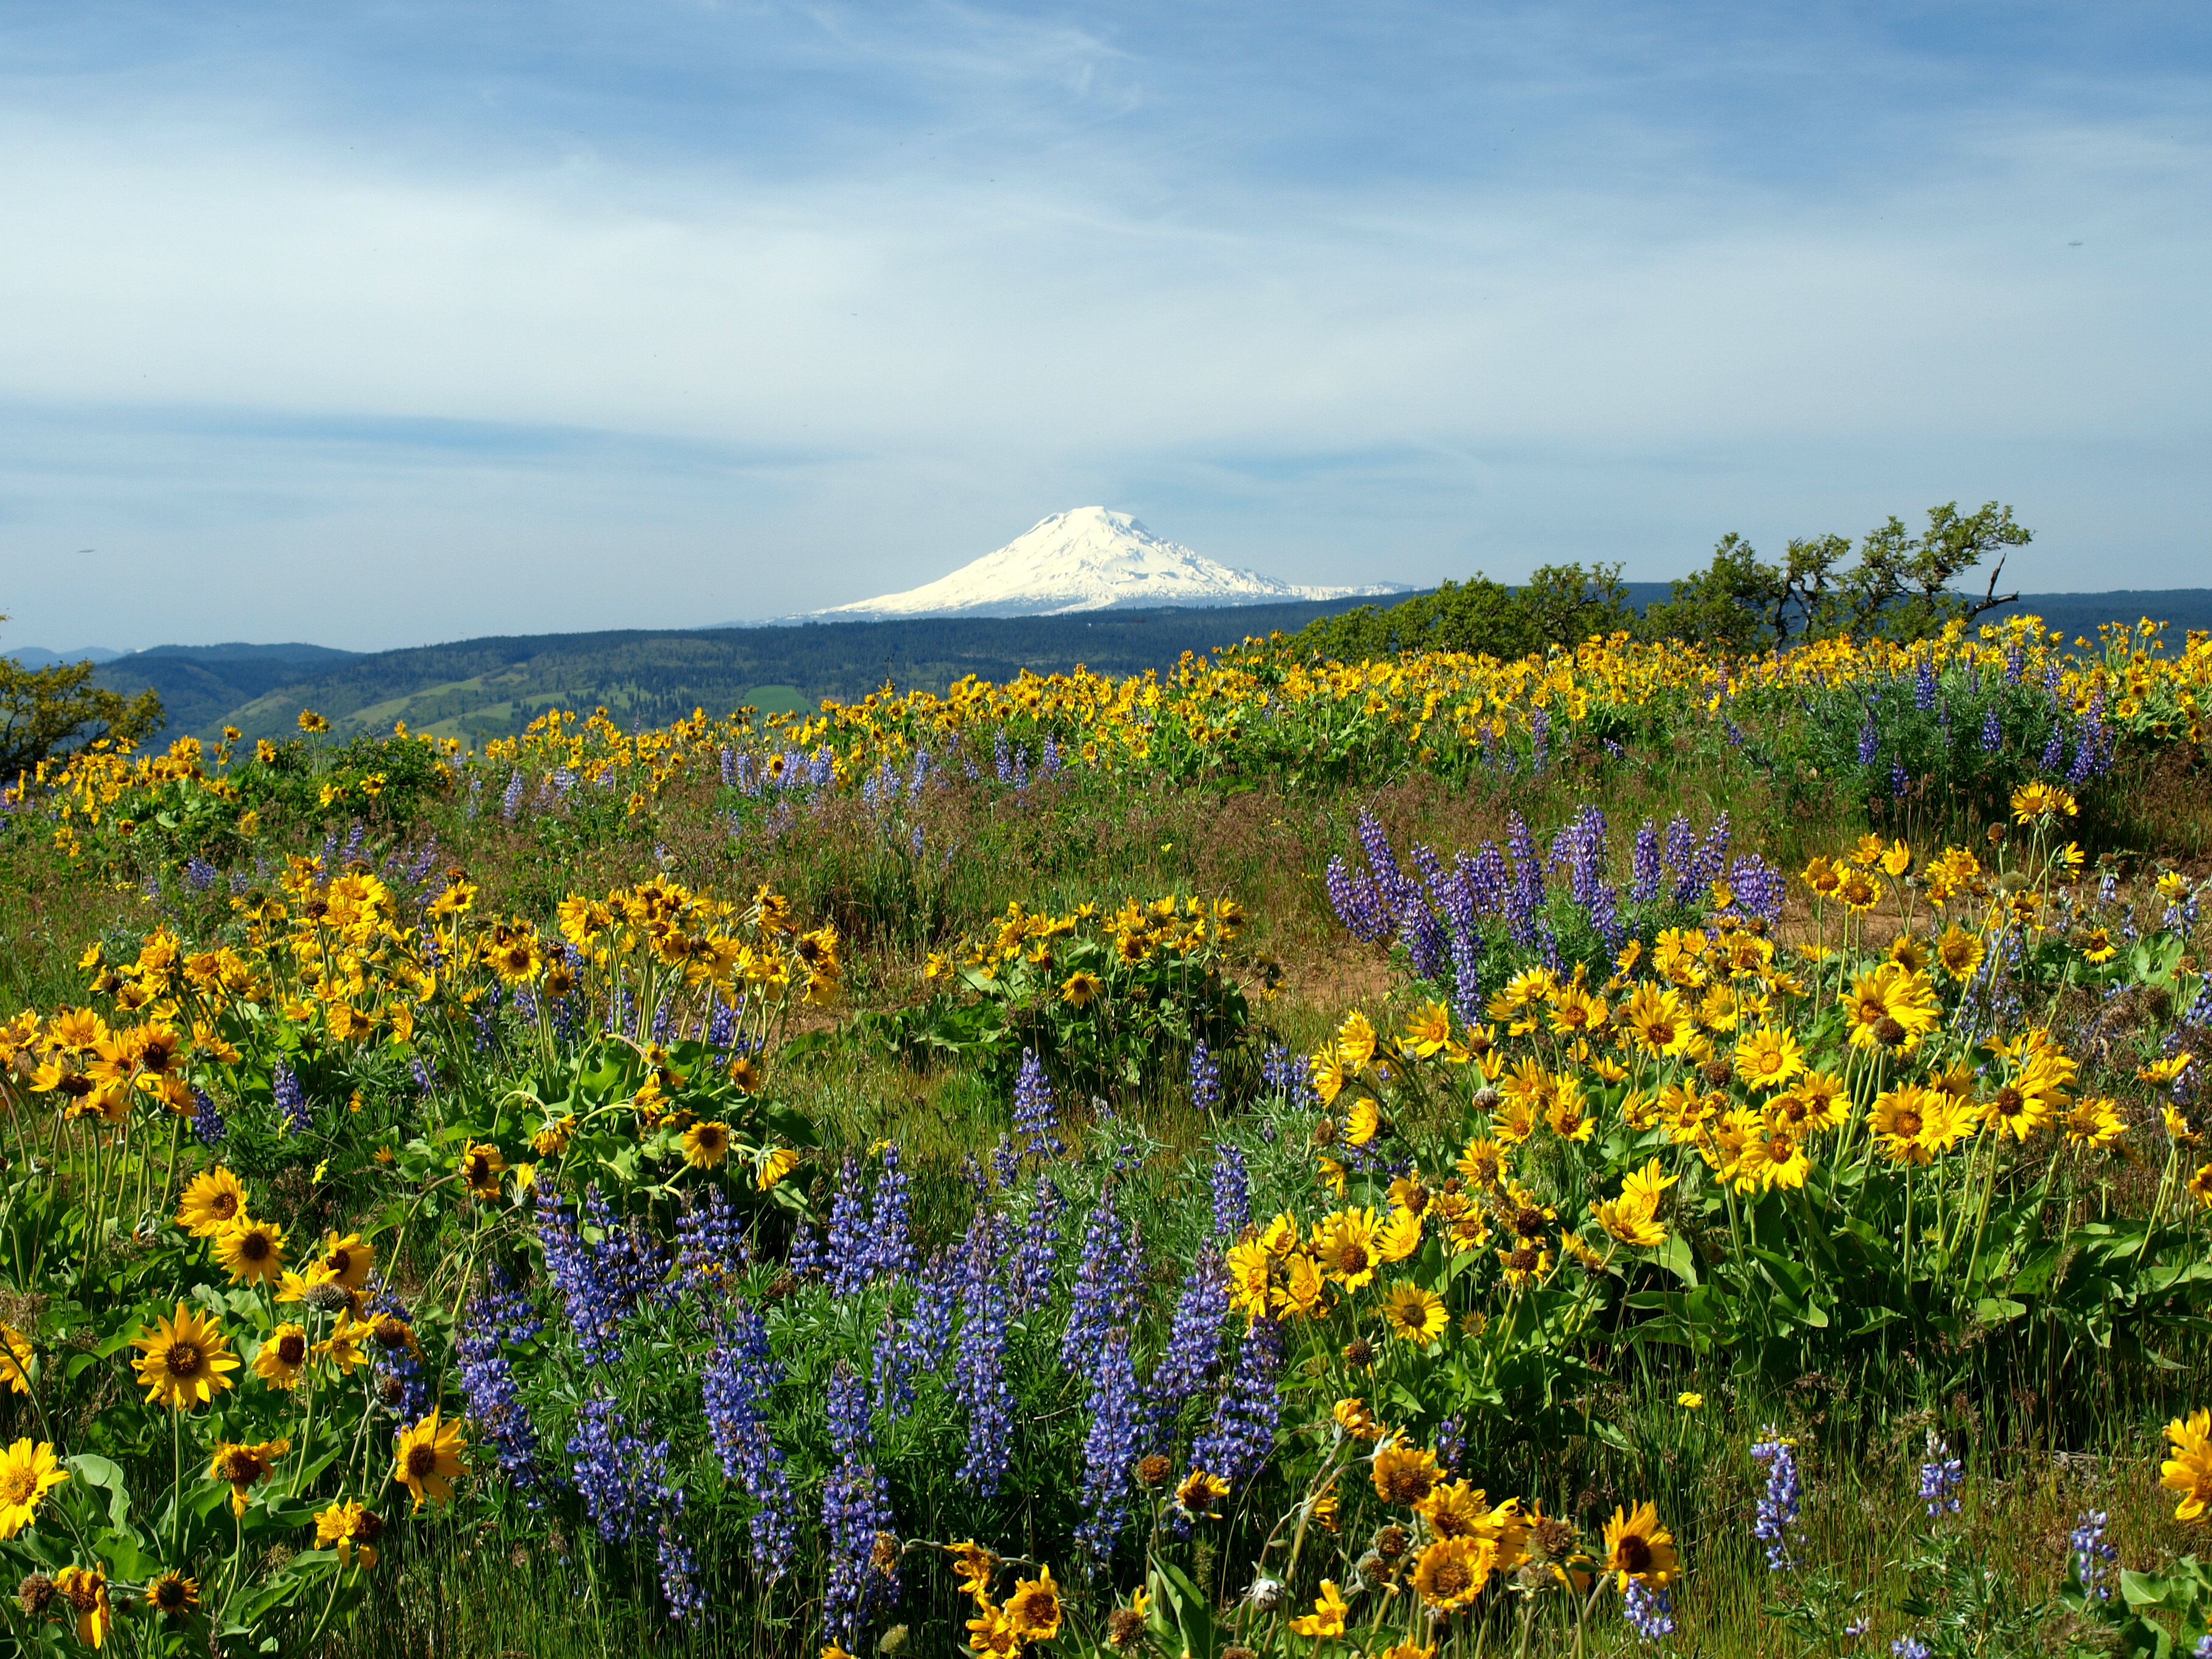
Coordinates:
<point>486,688</point>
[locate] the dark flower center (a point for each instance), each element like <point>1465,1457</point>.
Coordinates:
<point>1634,1553</point>
<point>184,1360</point>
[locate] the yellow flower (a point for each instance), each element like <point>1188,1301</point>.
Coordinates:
<point>1361,1125</point>
<point>1414,1314</point>
<point>1327,1618</point>
<point>706,1143</point>
<point>1355,1420</point>
<point>975,1564</point>
<point>1452,1571</point>
<point>244,1467</point>
<point>1355,1042</point>
<point>1344,1245</point>
<point>2161,1072</point>
<point>2189,1471</point>
<point>28,1473</point>
<point>2039,800</point>
<point>480,1166</point>
<point>85,1588</point>
<point>1404,1475</point>
<point>1201,1492</point>
<point>428,1458</point>
<point>282,1356</point>
<point>1896,859</point>
<point>1428,1029</point>
<point>251,1252</point>
<point>1959,952</point>
<point>1768,1058</point>
<point>351,1529</point>
<point>779,1162</point>
<point>1690,1400</point>
<point>347,1260</point>
<point>182,1359</point>
<point>1081,990</point>
<point>211,1201</point>
<point>15,1356</point>
<point>1637,1548</point>
<point>1033,1610</point>
<point>1483,1163</point>
<point>1401,1236</point>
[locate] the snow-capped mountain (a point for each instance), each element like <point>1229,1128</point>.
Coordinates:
<point>1089,559</point>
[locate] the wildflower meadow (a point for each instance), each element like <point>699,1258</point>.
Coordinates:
<point>1626,1150</point>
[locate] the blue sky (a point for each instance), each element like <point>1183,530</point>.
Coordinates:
<point>378,325</point>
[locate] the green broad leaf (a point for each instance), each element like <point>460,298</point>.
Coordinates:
<point>1998,1310</point>
<point>97,1471</point>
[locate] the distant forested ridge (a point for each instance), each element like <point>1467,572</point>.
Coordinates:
<point>487,688</point>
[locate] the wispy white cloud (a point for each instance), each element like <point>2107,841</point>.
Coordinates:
<point>1396,290</point>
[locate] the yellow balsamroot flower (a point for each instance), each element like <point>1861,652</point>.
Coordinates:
<point>211,1201</point>
<point>1362,1122</point>
<point>428,1458</point>
<point>1355,1042</point>
<point>244,1467</point>
<point>975,1566</point>
<point>172,1594</point>
<point>1033,1610</point>
<point>182,1360</point>
<point>1328,1613</point>
<point>347,1260</point>
<point>1428,1029</point>
<point>2200,1184</point>
<point>1414,1314</point>
<point>351,1529</point>
<point>1577,1013</point>
<point>552,1140</point>
<point>28,1472</point>
<point>1639,1549</point>
<point>1567,1112</point>
<point>1344,1246</point>
<point>15,1356</point>
<point>1200,1493</point>
<point>1959,953</point>
<point>343,1346</point>
<point>705,1142</point>
<point>1690,1400</point>
<point>1767,1058</point>
<point>2093,1121</point>
<point>1080,989</point>
<point>1770,1156</point>
<point>1404,1474</point>
<point>85,1589</point>
<point>990,1631</point>
<point>1328,1078</point>
<point>1661,1025</point>
<point>283,1357</point>
<point>2032,802</point>
<point>2158,1073</point>
<point>2189,1471</point>
<point>1482,1162</point>
<point>480,1166</point>
<point>780,1162</point>
<point>1452,1571</point>
<point>2096,946</point>
<point>251,1252</point>
<point>1251,1278</point>
<point>1355,1420</point>
<point>1400,1234</point>
<point>1892,1008</point>
<point>1305,1292</point>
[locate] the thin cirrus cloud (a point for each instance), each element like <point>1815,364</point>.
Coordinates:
<point>501,321</point>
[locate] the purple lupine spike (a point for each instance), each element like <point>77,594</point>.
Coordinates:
<point>979,1377</point>
<point>735,1387</point>
<point>1111,1448</point>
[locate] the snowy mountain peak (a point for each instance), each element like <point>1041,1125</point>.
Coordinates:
<point>1089,559</point>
